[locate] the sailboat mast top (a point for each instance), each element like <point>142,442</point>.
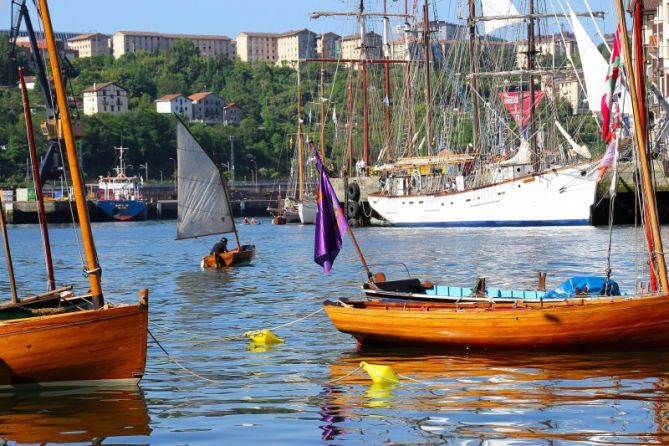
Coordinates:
<point>93,270</point>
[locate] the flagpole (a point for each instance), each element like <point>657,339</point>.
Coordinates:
<point>357,248</point>
<point>649,197</point>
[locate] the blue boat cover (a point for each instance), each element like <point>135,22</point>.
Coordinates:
<point>594,285</point>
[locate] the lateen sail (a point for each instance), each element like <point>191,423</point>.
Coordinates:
<point>203,207</point>
<point>494,8</point>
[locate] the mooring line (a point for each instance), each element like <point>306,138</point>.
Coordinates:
<point>182,367</point>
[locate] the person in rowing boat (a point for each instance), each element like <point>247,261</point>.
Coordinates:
<point>219,247</point>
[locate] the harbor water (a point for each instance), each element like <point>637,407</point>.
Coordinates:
<point>215,387</point>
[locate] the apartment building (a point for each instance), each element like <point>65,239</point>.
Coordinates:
<point>89,45</point>
<point>175,103</point>
<point>208,108</point>
<point>105,97</point>
<point>257,47</point>
<point>124,42</point>
<point>328,45</point>
<point>295,45</point>
<point>232,114</point>
<point>351,46</point>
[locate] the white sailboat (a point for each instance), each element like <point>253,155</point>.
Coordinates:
<point>520,191</point>
<point>204,206</point>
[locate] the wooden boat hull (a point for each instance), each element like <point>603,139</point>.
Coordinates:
<point>101,346</point>
<point>641,321</point>
<point>236,257</point>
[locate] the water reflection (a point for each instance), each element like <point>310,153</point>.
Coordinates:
<point>520,397</point>
<point>73,415</point>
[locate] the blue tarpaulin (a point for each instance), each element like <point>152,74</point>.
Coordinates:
<point>593,285</point>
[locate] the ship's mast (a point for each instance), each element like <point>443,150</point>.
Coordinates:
<point>531,53</point>
<point>473,85</point>
<point>428,90</point>
<point>93,270</point>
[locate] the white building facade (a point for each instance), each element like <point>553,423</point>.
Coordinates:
<point>105,97</point>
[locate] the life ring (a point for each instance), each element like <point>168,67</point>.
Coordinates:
<point>353,191</point>
<point>353,210</point>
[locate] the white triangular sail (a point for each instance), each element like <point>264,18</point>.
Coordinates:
<point>594,64</point>
<point>496,8</point>
<point>203,207</point>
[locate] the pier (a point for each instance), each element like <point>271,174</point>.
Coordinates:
<point>252,199</point>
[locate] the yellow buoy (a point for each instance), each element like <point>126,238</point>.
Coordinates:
<point>380,374</point>
<point>263,337</point>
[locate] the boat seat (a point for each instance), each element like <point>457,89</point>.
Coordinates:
<point>402,286</point>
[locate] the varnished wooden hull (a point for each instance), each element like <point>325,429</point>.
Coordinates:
<point>105,346</point>
<point>235,257</point>
<point>641,321</point>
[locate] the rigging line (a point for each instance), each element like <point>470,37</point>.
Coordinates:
<point>182,367</point>
<point>62,157</point>
<point>568,53</point>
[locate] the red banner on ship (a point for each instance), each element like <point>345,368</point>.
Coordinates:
<point>513,104</point>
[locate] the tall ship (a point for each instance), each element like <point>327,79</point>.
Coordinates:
<point>475,128</point>
<point>120,197</point>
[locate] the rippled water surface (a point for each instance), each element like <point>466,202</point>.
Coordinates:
<point>216,388</point>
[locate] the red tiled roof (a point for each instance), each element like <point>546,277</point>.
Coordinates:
<point>98,86</point>
<point>168,97</point>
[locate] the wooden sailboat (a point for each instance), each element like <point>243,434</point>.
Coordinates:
<point>204,206</point>
<point>85,340</point>
<point>581,319</point>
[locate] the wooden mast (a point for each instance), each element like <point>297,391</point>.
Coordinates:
<point>407,85</point>
<point>641,145</point>
<point>8,254</point>
<point>386,76</point>
<point>322,90</point>
<point>300,186</point>
<point>92,267</point>
<point>428,91</point>
<point>38,182</point>
<point>473,85</point>
<point>531,52</point>
<point>365,103</point>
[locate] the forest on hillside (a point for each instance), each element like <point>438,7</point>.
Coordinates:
<point>267,94</point>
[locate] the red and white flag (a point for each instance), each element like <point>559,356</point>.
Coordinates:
<point>611,81</point>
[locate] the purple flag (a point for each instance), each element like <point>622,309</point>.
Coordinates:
<point>331,222</point>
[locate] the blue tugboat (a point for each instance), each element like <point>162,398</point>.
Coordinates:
<point>120,197</point>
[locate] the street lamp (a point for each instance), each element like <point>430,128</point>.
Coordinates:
<point>256,174</point>
<point>174,162</point>
<point>145,166</point>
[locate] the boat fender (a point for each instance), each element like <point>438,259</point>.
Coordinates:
<point>380,374</point>
<point>264,337</point>
<point>353,210</point>
<point>379,277</point>
<point>353,191</point>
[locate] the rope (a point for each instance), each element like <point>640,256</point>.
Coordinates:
<point>239,337</point>
<point>178,364</point>
<point>332,381</point>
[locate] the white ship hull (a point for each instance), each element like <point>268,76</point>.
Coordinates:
<point>554,197</point>
<point>307,211</point>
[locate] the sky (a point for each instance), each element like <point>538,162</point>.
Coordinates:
<point>226,17</point>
